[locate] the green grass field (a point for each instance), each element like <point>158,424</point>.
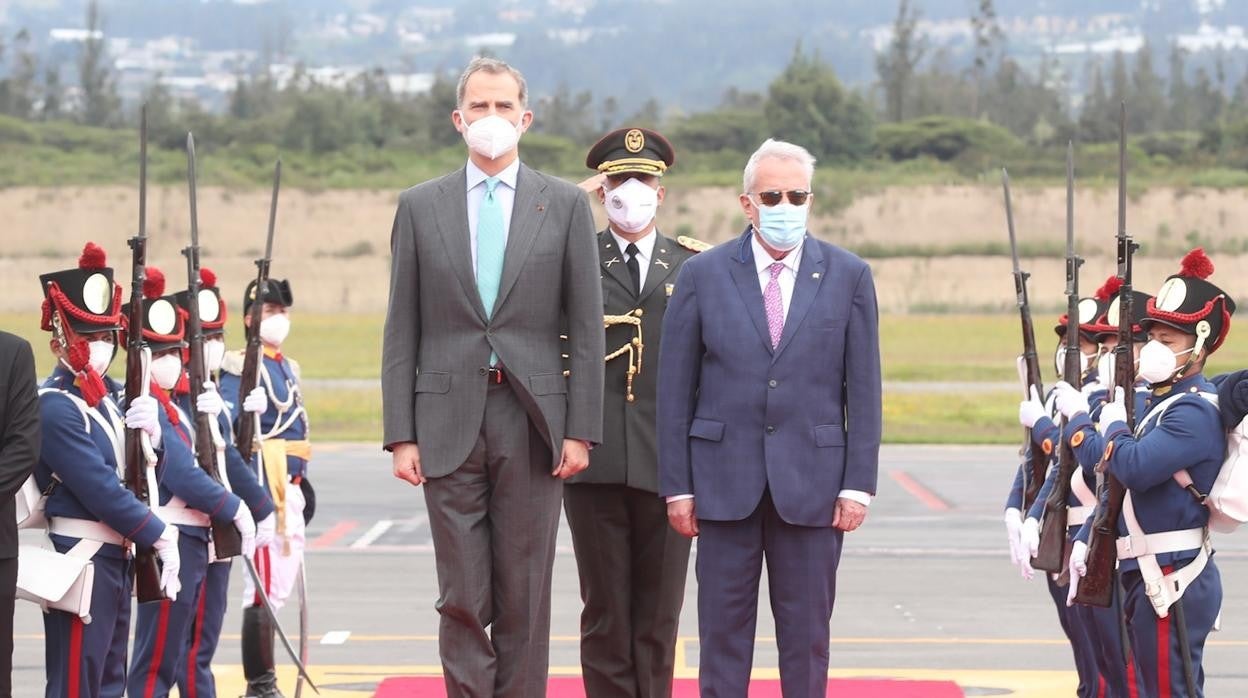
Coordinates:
<point>914,348</point>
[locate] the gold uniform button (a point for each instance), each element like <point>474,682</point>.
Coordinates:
<point>1047,447</point>
<point>1076,440</point>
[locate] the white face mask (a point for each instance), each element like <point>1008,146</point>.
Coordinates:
<point>1157,363</point>
<point>166,370</point>
<point>631,206</point>
<point>1108,364</point>
<point>273,329</point>
<point>1059,360</point>
<point>214,354</point>
<point>491,136</point>
<point>101,355</point>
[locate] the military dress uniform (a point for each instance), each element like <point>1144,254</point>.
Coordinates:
<point>632,565</point>
<point>190,499</point>
<point>81,469</point>
<point>1046,435</point>
<point>195,678</point>
<point>284,455</point>
<point>1164,551</point>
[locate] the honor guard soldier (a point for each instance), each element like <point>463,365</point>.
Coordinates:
<point>90,513</point>
<point>1024,534</point>
<point>632,564</point>
<point>1082,410</point>
<point>189,499</point>
<point>195,679</point>
<point>1172,587</point>
<point>284,454</point>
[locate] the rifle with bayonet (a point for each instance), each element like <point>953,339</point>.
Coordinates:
<point>1097,586</point>
<point>249,426</point>
<point>1051,553</point>
<point>226,539</point>
<point>140,457</point>
<point>1028,364</point>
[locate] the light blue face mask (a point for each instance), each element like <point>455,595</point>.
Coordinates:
<point>782,226</point>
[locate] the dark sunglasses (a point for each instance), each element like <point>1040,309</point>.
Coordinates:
<point>797,197</point>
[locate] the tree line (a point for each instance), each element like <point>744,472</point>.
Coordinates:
<point>926,102</point>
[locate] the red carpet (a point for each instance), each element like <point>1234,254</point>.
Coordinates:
<point>570,687</point>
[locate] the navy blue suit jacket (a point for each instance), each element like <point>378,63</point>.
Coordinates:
<point>737,417</point>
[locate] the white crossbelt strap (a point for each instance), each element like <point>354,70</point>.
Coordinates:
<point>1076,516</point>
<point>1162,589</point>
<point>85,530</point>
<point>178,513</point>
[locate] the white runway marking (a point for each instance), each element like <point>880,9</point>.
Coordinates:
<point>371,535</point>
<point>336,637</point>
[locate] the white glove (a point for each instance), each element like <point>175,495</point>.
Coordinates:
<point>1070,402</point>
<point>266,531</point>
<point>1014,532</point>
<point>170,561</point>
<point>1115,411</point>
<point>1092,387</point>
<point>1031,410</point>
<point>143,414</point>
<point>257,401</point>
<point>1028,543</point>
<point>1078,569</point>
<point>247,527</point>
<point>209,402</point>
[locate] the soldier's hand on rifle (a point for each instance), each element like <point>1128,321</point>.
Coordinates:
<point>406,459</point>
<point>257,401</point>
<point>142,414</point>
<point>1115,411</point>
<point>1031,410</point>
<point>209,401</point>
<point>1078,569</point>
<point>247,529</point>
<point>170,561</point>
<point>266,530</point>
<point>1030,537</point>
<point>1070,401</point>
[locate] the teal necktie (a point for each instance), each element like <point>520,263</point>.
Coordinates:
<point>491,245</point>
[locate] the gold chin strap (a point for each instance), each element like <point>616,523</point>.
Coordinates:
<point>633,348</point>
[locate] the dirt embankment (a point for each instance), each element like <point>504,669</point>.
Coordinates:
<point>932,248</point>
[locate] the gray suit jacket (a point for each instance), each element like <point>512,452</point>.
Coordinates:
<point>437,340</point>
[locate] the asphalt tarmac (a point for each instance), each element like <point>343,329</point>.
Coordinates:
<point>925,589</point>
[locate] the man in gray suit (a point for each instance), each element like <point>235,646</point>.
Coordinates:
<point>487,263</point>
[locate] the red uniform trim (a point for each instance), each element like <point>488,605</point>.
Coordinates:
<point>158,650</point>
<point>1163,650</point>
<point>192,659</point>
<point>1133,686</point>
<point>75,656</point>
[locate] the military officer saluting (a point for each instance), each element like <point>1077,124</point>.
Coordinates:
<point>189,499</point>
<point>81,465</point>
<point>632,564</point>
<point>195,678</point>
<point>1172,587</point>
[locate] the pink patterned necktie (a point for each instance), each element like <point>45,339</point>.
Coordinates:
<point>774,305</point>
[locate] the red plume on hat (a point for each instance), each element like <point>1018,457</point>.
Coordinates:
<point>207,278</point>
<point>1196,264</point>
<point>1109,288</point>
<point>93,257</point>
<point>153,283</point>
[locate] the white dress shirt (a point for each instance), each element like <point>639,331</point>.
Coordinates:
<point>504,191</point>
<point>787,279</point>
<point>645,252</point>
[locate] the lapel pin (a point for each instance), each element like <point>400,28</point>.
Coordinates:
<point>661,263</point>
<point>662,251</point>
<point>541,207</point>
<point>613,260</point>
<point>814,275</point>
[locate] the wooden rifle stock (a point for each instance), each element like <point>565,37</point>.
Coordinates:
<point>1051,552</point>
<point>245,436</point>
<point>146,564</point>
<point>226,539</point>
<point>1097,586</point>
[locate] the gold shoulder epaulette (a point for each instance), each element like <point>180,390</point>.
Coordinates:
<point>693,244</point>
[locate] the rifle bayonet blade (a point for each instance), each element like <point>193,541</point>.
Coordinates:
<point>277,184</point>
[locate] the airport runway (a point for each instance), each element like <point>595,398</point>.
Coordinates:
<point>925,589</point>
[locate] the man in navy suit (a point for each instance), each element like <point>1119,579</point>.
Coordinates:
<point>769,425</point>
